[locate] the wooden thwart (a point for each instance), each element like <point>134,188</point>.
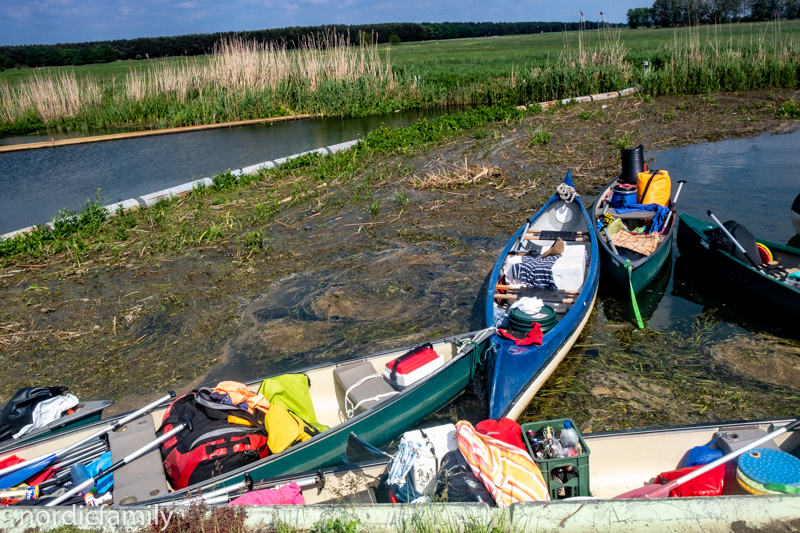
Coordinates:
<point>499,296</point>
<point>542,235</point>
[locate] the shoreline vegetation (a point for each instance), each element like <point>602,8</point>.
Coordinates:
<point>330,76</point>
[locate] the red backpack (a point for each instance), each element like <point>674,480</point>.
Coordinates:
<point>213,446</point>
<point>503,429</point>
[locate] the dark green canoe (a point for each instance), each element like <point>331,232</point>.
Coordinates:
<point>643,269</point>
<point>694,243</point>
<point>378,425</point>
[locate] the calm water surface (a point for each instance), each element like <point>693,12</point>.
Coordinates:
<point>36,184</point>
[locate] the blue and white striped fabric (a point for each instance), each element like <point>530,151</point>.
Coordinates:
<point>535,271</point>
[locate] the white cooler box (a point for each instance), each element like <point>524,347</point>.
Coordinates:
<point>412,367</point>
<point>569,269</point>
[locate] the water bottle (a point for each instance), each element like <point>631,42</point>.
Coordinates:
<point>537,451</point>
<point>569,436</point>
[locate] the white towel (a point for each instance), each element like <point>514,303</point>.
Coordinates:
<point>527,305</point>
<point>48,411</point>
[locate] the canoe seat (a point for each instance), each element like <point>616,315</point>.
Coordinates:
<point>644,215</point>
<point>143,479</point>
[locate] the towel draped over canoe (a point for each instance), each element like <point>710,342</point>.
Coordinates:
<point>508,472</point>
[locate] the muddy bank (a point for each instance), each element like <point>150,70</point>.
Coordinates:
<point>312,264</point>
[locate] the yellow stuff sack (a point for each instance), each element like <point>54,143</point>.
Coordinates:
<point>284,428</point>
<point>654,187</point>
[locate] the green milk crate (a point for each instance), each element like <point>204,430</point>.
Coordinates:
<point>578,486</point>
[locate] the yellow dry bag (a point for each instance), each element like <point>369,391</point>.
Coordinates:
<point>285,429</point>
<point>654,187</point>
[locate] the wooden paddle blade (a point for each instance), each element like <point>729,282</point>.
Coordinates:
<point>655,490</point>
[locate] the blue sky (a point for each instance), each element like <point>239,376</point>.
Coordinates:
<point>54,21</point>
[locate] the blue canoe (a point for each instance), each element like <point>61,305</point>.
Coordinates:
<point>516,373</point>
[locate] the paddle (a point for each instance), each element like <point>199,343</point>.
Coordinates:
<point>739,246</point>
<point>611,243</point>
<point>16,474</point>
<point>674,203</point>
<point>661,491</point>
<point>185,424</point>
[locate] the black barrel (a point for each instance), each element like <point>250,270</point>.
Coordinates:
<point>632,164</point>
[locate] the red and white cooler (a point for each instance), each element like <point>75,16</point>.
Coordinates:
<point>413,366</point>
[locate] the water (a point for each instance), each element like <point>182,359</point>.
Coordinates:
<point>37,184</point>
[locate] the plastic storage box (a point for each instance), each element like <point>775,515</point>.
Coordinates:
<point>578,486</point>
<point>413,368</point>
<point>568,269</point>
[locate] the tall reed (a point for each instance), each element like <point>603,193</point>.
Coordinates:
<point>243,80</point>
<point>51,95</point>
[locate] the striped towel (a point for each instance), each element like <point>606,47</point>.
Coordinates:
<point>508,472</point>
<point>535,271</point>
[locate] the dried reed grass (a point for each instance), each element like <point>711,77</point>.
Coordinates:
<point>239,66</point>
<point>50,95</point>
<point>455,176</point>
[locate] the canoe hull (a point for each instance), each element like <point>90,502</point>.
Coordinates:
<point>721,266</point>
<point>516,373</point>
<point>641,276</point>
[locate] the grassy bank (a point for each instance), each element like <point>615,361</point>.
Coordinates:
<point>243,81</point>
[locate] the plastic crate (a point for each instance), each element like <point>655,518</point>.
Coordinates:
<point>578,486</point>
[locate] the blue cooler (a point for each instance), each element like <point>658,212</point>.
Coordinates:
<point>623,195</point>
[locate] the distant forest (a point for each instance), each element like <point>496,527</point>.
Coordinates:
<point>670,13</point>
<point>202,43</point>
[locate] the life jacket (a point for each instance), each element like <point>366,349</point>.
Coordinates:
<point>222,439</point>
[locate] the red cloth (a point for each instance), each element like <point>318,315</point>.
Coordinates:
<point>11,460</point>
<point>503,429</point>
<point>709,484</point>
<point>290,494</point>
<point>534,336</point>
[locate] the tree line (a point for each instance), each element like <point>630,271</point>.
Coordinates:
<point>202,43</point>
<point>671,13</point>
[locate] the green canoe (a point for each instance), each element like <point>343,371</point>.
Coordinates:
<point>378,425</point>
<point>625,267</point>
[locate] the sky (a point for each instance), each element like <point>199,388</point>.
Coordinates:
<point>67,21</point>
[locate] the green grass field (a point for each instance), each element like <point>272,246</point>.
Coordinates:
<point>461,72</point>
<point>458,61</point>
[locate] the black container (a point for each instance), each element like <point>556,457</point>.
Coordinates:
<point>632,164</point>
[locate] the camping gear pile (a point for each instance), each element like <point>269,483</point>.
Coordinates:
<point>34,411</point>
<point>205,433</point>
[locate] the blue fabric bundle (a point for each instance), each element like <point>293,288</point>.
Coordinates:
<point>659,218</point>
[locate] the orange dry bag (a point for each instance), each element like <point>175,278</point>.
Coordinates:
<point>654,187</point>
